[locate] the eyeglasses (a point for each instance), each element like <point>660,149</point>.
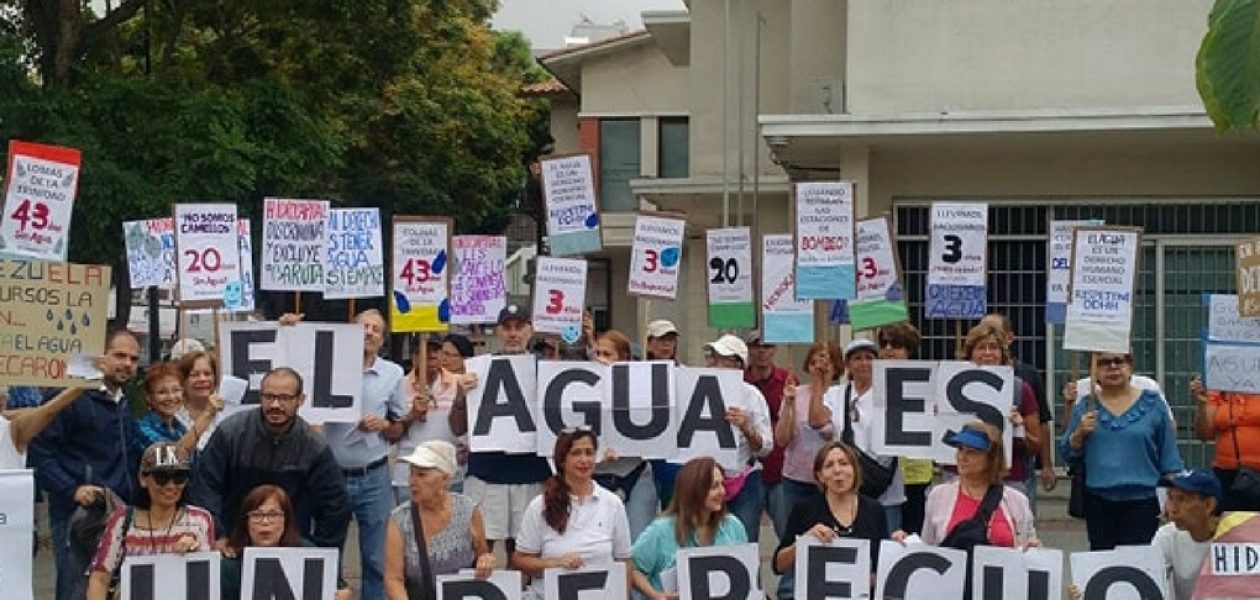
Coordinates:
<point>265,516</point>
<point>281,398</point>
<point>168,477</point>
<point>1115,361</point>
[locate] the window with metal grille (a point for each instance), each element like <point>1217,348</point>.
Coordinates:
<point>1188,251</point>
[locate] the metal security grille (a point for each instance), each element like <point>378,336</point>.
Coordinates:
<point>1187,252</point>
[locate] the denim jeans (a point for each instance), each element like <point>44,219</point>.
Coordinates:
<point>746,506</point>
<point>68,574</point>
<point>1031,481</point>
<point>772,497</point>
<point>372,499</point>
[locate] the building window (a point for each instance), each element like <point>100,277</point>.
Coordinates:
<point>618,163</point>
<point>675,161</point>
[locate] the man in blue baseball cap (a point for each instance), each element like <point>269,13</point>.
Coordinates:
<point>1194,501</point>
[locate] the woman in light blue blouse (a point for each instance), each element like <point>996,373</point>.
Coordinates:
<point>696,517</point>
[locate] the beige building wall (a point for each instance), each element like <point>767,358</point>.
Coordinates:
<point>634,81</point>
<point>564,125</point>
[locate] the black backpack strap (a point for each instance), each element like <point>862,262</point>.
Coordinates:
<point>989,505</point>
<point>429,582</point>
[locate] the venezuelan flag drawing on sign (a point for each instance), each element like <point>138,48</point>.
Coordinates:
<point>420,282</point>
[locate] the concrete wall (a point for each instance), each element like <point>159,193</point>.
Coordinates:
<point>564,124</point>
<point>633,81</point>
<point>947,56</point>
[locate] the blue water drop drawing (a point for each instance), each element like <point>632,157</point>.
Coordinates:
<point>669,257</point>
<point>439,263</point>
<point>894,292</point>
<point>444,311</point>
<point>592,221</point>
<point>401,302</point>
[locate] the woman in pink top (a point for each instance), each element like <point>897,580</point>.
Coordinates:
<point>805,420</point>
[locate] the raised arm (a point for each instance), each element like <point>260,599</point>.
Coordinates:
<point>27,423</point>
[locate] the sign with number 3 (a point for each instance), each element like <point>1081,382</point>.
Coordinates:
<point>42,184</point>
<point>559,295</point>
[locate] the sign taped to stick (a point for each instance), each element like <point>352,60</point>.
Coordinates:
<point>957,261</point>
<point>355,261</point>
<point>824,240</point>
<point>420,282</point>
<point>150,252</point>
<point>479,285</point>
<point>656,256</point>
<point>1103,286</point>
<point>294,244</point>
<point>880,294</point>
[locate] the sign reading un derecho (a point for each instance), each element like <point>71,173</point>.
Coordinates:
<point>49,312</point>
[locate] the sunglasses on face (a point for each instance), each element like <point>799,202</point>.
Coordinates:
<point>1115,361</point>
<point>168,477</point>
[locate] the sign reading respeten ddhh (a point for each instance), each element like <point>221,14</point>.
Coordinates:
<point>49,312</point>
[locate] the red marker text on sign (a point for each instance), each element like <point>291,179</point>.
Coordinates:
<point>652,259</point>
<point>206,260</point>
<point>822,242</point>
<point>416,270</point>
<point>30,213</point>
<point>555,302</point>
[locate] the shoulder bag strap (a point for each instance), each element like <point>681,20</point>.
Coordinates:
<point>992,497</point>
<point>847,435</point>
<point>429,580</point>
<point>1233,431</point>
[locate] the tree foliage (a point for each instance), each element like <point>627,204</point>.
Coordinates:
<point>1228,65</point>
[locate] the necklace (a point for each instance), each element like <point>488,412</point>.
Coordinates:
<point>165,536</point>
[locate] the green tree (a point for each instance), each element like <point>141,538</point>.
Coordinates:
<point>1228,65</point>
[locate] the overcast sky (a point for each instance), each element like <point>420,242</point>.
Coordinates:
<point>546,22</point>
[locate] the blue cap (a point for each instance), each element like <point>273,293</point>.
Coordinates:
<point>970,438</point>
<point>1197,481</point>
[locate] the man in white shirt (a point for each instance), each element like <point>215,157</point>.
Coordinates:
<point>1193,507</point>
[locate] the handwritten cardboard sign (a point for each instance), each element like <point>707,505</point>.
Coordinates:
<point>785,319</point>
<point>420,277</point>
<point>573,221</point>
<point>1248,256</point>
<point>880,295</point>
<point>50,312</point>
<point>206,252</point>
<point>294,240</point>
<point>354,266</point>
<point>479,285</point>
<point>824,239</point>
<point>559,296</point>
<point>41,184</point>
<point>150,252</point>
<point>245,244</point>
<point>1060,269</point>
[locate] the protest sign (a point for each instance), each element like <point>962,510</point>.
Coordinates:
<point>656,257</point>
<point>784,318</point>
<point>730,285</point>
<point>715,572</point>
<point>355,263</point>
<point>465,585</point>
<point>1060,269</point>
<point>1230,570</point>
<point>841,569</point>
<point>50,312</point>
<point>245,245</point>
<point>1126,573</point>
<point>957,259</point>
<point>920,571</point>
<point>1103,283</point>
<point>559,296</point>
<point>824,240</point>
<point>640,421</point>
<point>1247,255</point>
<point>206,255</point>
<point>500,413</point>
<point>328,356</point>
<point>17,525</point>
<point>304,573</point>
<point>572,210</point>
<point>192,576</point>
<point>150,252</point>
<point>703,397</point>
<point>479,283</point>
<point>599,581</point>
<point>1225,324</point>
<point>420,299</point>
<point>879,298</point>
<point>294,244</point>
<point>1016,574</point>
<point>41,184</point>
<point>1231,367</point>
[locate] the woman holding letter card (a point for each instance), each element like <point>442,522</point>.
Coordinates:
<point>985,347</point>
<point>630,475</point>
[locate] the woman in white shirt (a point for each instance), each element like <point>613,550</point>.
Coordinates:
<point>574,523</point>
<point>859,357</point>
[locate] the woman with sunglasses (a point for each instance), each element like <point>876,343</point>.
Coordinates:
<point>839,511</point>
<point>574,522</point>
<point>630,475</point>
<point>696,517</point>
<point>159,523</point>
<point>266,521</point>
<point>1124,437</point>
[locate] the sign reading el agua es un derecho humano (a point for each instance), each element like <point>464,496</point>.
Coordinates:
<point>50,312</point>
<point>1103,280</point>
<point>573,222</point>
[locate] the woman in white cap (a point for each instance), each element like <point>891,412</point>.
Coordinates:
<point>881,479</point>
<point>437,533</point>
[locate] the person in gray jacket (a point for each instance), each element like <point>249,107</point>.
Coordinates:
<point>273,445</point>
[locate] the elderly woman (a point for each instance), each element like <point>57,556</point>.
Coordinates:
<point>574,522</point>
<point>164,393</point>
<point>1126,442</point>
<point>629,475</point>
<point>437,533</point>
<point>159,523</point>
<point>266,521</point>
<point>805,421</point>
<point>901,341</point>
<point>854,424</point>
<point>202,404</point>
<point>839,511</point>
<point>985,346</point>
<point>428,416</point>
<point>696,517</point>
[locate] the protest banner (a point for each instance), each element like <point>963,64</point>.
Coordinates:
<point>599,581</point>
<point>656,256</point>
<point>879,298</point>
<point>920,571</point>
<point>41,184</point>
<point>294,244</point>
<point>702,400</point>
<point>1247,255</point>
<point>841,569</point>
<point>719,572</point>
<point>150,248</point>
<point>629,405</point>
<point>500,413</point>
<point>730,285</point>
<point>1128,572</point>
<point>559,296</point>
<point>824,240</point>
<point>192,576</point>
<point>1060,269</point>
<point>17,526</point>
<point>573,220</point>
<point>917,403</point>
<point>328,356</point>
<point>568,395</point>
<point>479,283</point>
<point>206,255</point>
<point>245,245</point>
<point>784,318</point>
<point>355,263</point>
<point>465,585</point>
<point>1103,284</point>
<point>299,573</point>
<point>1016,574</point>
<point>957,262</point>
<point>1231,347</point>
<point>49,313</point>
<point>420,298</point>
<point>1230,571</point>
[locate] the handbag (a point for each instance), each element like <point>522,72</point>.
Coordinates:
<point>1247,481</point>
<point>876,477</point>
<point>974,531</point>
